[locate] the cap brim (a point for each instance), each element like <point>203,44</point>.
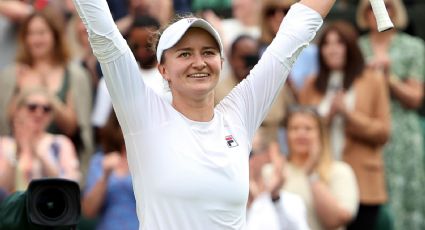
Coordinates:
<point>172,35</point>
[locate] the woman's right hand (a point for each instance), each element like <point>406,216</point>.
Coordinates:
<point>110,162</point>
<point>313,158</point>
<point>23,132</point>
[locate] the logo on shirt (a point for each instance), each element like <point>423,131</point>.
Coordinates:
<point>231,142</point>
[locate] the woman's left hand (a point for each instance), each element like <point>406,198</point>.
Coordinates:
<point>338,105</point>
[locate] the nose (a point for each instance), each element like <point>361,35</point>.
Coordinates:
<point>199,62</point>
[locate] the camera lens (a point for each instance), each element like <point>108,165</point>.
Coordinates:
<point>51,203</point>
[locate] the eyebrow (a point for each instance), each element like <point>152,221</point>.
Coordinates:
<point>203,48</point>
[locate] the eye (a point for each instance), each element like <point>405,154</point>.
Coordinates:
<point>184,54</point>
<point>210,52</point>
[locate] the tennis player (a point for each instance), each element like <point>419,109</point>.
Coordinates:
<point>189,159</point>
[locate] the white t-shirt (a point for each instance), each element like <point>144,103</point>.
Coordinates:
<point>187,174</point>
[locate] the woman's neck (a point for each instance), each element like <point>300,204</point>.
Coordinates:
<point>39,134</point>
<point>43,64</point>
<point>195,109</point>
<point>298,159</point>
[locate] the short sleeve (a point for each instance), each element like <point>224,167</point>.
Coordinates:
<point>94,171</point>
<point>343,186</point>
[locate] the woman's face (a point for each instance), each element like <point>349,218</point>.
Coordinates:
<point>334,51</point>
<point>40,39</point>
<point>302,132</point>
<point>192,67</point>
<point>38,110</point>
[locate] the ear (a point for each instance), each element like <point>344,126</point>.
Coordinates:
<point>163,71</point>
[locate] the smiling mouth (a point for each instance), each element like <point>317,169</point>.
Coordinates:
<point>199,75</point>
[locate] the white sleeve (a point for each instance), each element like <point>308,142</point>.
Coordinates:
<point>129,94</point>
<point>102,105</point>
<point>250,101</point>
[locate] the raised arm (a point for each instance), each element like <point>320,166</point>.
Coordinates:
<point>322,6</point>
<point>122,75</point>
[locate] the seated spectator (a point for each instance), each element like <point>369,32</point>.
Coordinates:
<point>268,206</point>
<point>328,187</point>
<point>31,152</point>
<point>108,194</point>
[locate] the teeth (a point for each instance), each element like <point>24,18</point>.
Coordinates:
<point>199,75</point>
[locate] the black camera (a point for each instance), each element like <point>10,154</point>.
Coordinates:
<point>47,204</point>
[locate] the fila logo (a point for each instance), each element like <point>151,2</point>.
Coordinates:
<point>231,142</point>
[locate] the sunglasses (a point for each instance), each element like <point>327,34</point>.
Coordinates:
<point>33,107</point>
<point>271,11</point>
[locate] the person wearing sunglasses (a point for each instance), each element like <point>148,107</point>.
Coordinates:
<point>31,152</point>
<point>189,159</point>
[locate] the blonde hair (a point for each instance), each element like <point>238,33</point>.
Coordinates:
<point>399,18</point>
<point>23,95</point>
<point>21,98</point>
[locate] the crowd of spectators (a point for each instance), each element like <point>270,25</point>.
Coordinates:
<point>341,148</point>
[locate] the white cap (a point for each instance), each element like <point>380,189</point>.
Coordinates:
<point>175,32</point>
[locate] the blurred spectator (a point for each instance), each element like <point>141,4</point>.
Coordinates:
<point>243,56</point>
<point>43,60</point>
<point>31,152</point>
<point>245,20</point>
<point>139,39</point>
<point>354,101</point>
<point>343,10</point>
<point>12,12</point>
<point>269,207</point>
<point>328,187</point>
<point>182,6</point>
<point>83,54</point>
<point>222,8</point>
<point>108,194</point>
<point>401,58</point>
<point>162,10</point>
<point>272,14</point>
